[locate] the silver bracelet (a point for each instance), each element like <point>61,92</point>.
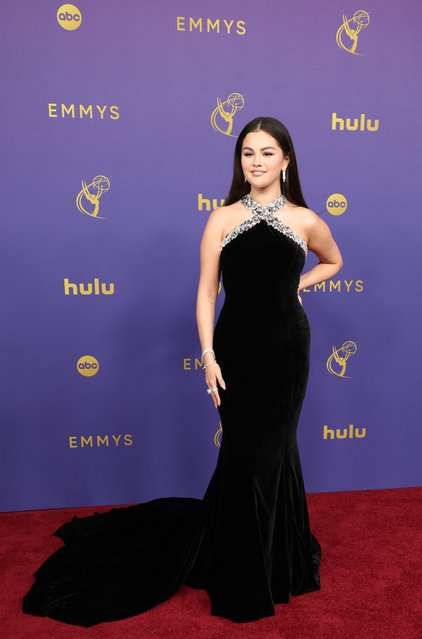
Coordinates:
<point>213,362</point>
<point>207,350</point>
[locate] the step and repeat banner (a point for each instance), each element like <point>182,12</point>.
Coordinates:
<point>119,124</point>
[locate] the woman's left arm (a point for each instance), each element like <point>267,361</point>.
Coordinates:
<point>321,242</point>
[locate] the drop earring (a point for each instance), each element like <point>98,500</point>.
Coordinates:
<point>284,175</point>
<point>245,178</point>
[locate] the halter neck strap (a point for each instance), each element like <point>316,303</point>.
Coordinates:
<point>255,207</point>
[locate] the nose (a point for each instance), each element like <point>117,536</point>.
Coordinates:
<point>257,161</point>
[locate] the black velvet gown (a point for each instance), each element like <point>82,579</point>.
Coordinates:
<point>248,541</point>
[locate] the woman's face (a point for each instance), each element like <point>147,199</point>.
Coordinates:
<point>262,159</point>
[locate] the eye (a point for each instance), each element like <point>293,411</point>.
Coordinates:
<point>246,153</point>
<point>268,153</point>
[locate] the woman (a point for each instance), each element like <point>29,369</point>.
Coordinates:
<point>248,542</point>
<point>259,549</point>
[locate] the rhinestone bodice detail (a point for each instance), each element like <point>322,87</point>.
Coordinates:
<point>259,213</point>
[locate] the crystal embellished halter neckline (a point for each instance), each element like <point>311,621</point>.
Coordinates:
<point>255,207</point>
<point>261,212</point>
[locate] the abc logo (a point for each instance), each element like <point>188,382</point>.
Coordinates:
<point>69,17</point>
<point>87,365</point>
<point>336,204</point>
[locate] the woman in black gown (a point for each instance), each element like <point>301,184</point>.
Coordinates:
<point>248,541</point>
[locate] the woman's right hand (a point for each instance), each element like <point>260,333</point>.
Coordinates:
<point>212,374</point>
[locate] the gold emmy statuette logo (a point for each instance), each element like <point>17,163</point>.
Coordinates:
<point>87,365</point>
<point>217,437</point>
<point>352,28</point>
<point>222,116</point>
<point>336,363</point>
<point>336,204</point>
<point>100,184</point>
<point>69,17</point>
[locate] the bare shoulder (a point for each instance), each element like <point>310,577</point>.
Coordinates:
<point>306,216</point>
<point>222,211</point>
<point>311,222</point>
<point>219,217</point>
<point>320,239</point>
<point>216,219</point>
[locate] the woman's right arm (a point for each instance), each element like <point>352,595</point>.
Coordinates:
<point>209,279</point>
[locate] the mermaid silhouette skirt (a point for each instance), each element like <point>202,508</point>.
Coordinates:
<point>248,541</point>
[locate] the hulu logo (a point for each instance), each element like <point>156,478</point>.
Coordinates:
<point>203,201</point>
<point>90,288</point>
<point>359,124</point>
<point>343,433</point>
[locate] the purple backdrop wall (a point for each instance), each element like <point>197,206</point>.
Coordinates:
<point>127,97</point>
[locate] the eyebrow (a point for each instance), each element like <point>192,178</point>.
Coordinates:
<point>263,148</point>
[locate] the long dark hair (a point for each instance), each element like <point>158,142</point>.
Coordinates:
<point>291,188</point>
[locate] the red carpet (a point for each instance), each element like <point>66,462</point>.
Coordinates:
<point>371,574</point>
